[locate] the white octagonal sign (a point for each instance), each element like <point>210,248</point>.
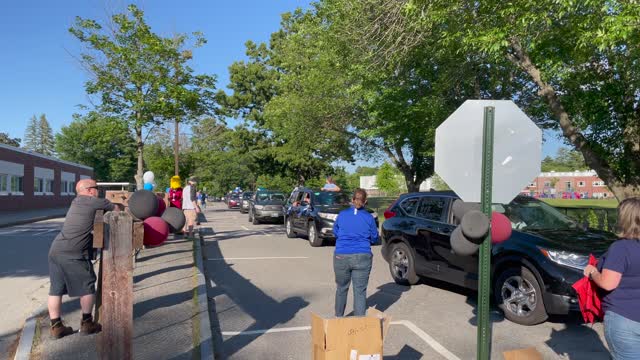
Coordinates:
<point>516,150</point>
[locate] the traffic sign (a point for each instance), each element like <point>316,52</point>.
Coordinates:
<point>516,150</point>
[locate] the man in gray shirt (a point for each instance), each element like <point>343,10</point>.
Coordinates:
<point>70,268</point>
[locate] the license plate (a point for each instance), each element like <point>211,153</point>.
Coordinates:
<point>274,215</point>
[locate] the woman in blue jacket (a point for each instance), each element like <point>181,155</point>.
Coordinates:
<point>618,273</point>
<point>355,231</point>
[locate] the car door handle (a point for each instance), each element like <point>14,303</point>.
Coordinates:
<point>446,230</point>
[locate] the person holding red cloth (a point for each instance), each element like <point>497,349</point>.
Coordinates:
<point>618,273</point>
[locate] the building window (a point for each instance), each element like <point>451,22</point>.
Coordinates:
<point>16,185</point>
<point>48,186</point>
<point>580,183</point>
<point>4,183</point>
<point>38,186</point>
<point>598,183</point>
<point>567,186</point>
<point>67,187</point>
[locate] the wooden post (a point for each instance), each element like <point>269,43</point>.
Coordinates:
<point>115,340</point>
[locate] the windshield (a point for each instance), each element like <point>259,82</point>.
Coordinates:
<point>531,214</point>
<point>270,196</point>
<point>327,198</point>
<point>247,195</point>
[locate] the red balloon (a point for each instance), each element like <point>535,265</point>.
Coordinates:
<point>161,206</point>
<point>156,231</point>
<point>500,228</point>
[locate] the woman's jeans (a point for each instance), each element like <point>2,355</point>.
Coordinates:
<point>356,268</point>
<point>623,336</point>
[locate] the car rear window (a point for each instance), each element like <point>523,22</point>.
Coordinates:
<point>409,205</point>
<point>431,208</point>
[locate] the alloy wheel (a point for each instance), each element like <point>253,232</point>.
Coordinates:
<point>400,263</point>
<point>518,296</point>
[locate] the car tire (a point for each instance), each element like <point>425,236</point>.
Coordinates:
<point>402,265</point>
<point>312,234</point>
<point>519,296</point>
<point>288,228</point>
<point>254,220</point>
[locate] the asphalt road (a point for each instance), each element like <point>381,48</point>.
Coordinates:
<point>263,287</point>
<point>24,275</point>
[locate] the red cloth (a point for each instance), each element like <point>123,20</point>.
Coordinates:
<point>175,198</point>
<point>588,297</point>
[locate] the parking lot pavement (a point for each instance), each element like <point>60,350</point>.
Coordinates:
<point>24,275</point>
<point>263,287</point>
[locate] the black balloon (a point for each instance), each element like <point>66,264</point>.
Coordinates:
<point>175,218</point>
<point>475,226</point>
<point>143,204</point>
<point>461,245</point>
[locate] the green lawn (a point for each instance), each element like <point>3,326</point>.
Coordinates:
<point>583,203</point>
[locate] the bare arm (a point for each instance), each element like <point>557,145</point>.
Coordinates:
<point>607,279</point>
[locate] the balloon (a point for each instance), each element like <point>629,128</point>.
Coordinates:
<point>500,228</point>
<point>148,177</point>
<point>175,218</point>
<point>143,204</point>
<point>460,245</point>
<point>156,231</point>
<point>148,186</point>
<point>161,206</point>
<point>475,226</point>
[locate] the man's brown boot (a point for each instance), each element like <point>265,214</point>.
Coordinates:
<point>88,327</point>
<point>58,330</point>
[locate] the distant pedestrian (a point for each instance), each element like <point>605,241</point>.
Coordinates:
<point>204,200</point>
<point>70,268</point>
<point>618,273</point>
<point>330,185</point>
<point>190,206</point>
<point>355,231</point>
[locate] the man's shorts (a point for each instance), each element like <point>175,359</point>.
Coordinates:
<point>190,216</point>
<point>71,275</point>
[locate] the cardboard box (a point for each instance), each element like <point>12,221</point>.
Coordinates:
<point>349,338</point>
<point>522,354</point>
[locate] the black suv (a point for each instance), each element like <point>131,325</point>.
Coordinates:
<point>267,205</point>
<point>532,272</point>
<point>313,213</point>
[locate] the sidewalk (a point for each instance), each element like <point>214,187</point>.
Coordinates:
<point>168,312</point>
<point>11,218</point>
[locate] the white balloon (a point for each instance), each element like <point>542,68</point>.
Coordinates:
<point>148,177</point>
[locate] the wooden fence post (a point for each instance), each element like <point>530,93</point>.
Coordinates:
<point>115,340</point>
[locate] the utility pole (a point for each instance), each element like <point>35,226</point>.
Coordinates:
<point>176,148</point>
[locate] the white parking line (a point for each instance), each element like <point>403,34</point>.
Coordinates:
<point>244,227</point>
<point>408,324</point>
<point>260,258</point>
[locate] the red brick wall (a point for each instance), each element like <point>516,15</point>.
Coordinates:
<point>29,200</point>
<point>561,187</point>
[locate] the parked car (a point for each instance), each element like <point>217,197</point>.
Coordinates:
<point>532,272</point>
<point>314,213</point>
<point>233,201</point>
<point>246,199</point>
<point>267,205</point>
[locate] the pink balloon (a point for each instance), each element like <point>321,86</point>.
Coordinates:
<point>161,206</point>
<point>500,228</point>
<point>156,231</point>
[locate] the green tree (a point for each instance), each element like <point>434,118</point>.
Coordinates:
<point>46,141</point>
<point>31,135</point>
<point>438,184</point>
<point>107,146</point>
<point>387,179</point>
<point>7,140</point>
<point>142,77</point>
<point>565,160</point>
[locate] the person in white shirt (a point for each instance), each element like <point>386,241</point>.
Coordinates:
<point>190,206</point>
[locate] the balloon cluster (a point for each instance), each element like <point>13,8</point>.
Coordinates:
<point>148,179</point>
<point>474,226</point>
<point>158,221</point>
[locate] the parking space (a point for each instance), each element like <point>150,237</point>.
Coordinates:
<point>263,287</point>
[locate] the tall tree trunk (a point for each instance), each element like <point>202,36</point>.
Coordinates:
<point>521,58</point>
<point>140,149</point>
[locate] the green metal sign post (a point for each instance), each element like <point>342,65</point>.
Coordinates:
<point>484,258</point>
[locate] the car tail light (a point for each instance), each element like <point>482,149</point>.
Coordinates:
<point>388,214</point>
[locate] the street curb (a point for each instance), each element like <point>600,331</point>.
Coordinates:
<point>32,220</point>
<point>206,339</point>
<point>23,352</point>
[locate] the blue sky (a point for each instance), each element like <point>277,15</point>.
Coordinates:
<point>38,72</point>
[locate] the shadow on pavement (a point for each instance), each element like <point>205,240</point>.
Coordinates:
<point>406,353</point>
<point>265,311</point>
<point>140,277</point>
<point>577,341</point>
<point>387,295</point>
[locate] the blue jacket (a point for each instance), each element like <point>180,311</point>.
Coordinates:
<point>355,231</point>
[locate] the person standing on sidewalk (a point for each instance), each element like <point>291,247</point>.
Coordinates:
<point>355,231</point>
<point>618,273</point>
<point>190,206</point>
<point>70,268</point>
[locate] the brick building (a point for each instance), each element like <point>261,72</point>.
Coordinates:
<point>586,184</point>
<point>29,180</point>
